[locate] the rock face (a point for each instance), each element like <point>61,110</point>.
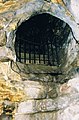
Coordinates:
<point>28,96</point>
<point>62,106</point>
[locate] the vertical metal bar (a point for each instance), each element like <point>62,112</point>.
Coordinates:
<point>39,53</point>
<point>48,52</point>
<point>58,55</point>
<point>57,58</point>
<point>29,53</point>
<point>52,51</point>
<point>24,51</point>
<point>34,52</point>
<point>44,53</point>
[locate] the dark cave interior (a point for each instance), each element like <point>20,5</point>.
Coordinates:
<point>39,40</point>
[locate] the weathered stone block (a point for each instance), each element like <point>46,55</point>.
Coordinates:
<point>39,90</point>
<point>70,113</point>
<point>2,38</point>
<point>52,90</point>
<point>6,54</point>
<point>35,89</point>
<point>70,88</point>
<point>37,116</point>
<point>44,105</point>
<point>74,84</point>
<point>34,106</point>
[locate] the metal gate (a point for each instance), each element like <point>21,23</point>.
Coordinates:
<point>41,42</point>
<point>42,52</point>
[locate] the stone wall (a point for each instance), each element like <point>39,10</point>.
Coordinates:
<point>42,96</point>
<point>69,54</point>
<point>61,106</point>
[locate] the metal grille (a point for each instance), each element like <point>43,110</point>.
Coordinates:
<point>39,40</point>
<point>36,52</point>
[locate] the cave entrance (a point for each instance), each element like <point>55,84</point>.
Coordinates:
<point>39,40</point>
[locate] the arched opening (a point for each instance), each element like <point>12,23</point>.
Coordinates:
<point>39,40</point>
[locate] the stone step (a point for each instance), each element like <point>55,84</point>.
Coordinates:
<point>46,105</point>
<point>37,116</point>
<point>39,90</point>
<point>39,69</point>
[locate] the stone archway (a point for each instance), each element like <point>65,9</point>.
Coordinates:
<point>33,8</point>
<point>40,40</point>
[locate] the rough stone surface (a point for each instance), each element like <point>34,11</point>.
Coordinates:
<point>6,54</point>
<point>39,116</point>
<point>65,105</point>
<point>38,97</point>
<point>70,113</point>
<point>2,38</point>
